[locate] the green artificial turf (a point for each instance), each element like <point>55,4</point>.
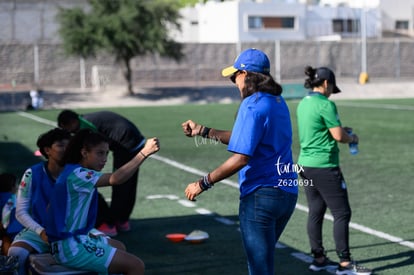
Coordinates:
<point>378,179</point>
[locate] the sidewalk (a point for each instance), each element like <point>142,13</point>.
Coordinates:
<point>376,89</point>
<point>116,96</point>
<point>172,95</point>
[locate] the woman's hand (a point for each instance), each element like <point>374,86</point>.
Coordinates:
<point>191,128</point>
<point>193,190</point>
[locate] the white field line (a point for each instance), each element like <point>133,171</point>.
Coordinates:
<point>190,169</point>
<point>38,119</point>
<point>366,230</point>
<point>198,172</point>
<point>355,226</point>
<point>376,106</point>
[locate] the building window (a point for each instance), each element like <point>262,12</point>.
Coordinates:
<point>345,26</point>
<point>401,25</point>
<point>267,22</point>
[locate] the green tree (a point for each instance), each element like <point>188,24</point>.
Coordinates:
<point>193,2</point>
<point>124,28</point>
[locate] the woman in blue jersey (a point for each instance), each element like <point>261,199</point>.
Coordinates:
<point>260,143</point>
<point>72,210</point>
<point>33,197</point>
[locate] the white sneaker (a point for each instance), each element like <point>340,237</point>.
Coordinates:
<point>353,269</point>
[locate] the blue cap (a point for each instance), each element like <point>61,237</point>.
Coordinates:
<point>252,60</point>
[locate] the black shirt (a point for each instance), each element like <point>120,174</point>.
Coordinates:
<point>120,131</point>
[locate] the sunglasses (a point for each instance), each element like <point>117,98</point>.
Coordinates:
<point>233,76</point>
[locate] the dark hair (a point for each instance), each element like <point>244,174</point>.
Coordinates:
<point>85,138</point>
<point>255,82</point>
<point>311,81</point>
<point>47,139</point>
<point>7,182</point>
<point>66,116</point>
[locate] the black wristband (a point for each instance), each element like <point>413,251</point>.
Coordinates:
<point>204,183</point>
<point>205,132</point>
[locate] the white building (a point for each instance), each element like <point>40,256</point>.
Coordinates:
<point>252,21</point>
<point>350,3</point>
<point>397,17</point>
<point>234,21</point>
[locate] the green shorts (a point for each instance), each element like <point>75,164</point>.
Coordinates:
<point>33,239</point>
<point>86,252</point>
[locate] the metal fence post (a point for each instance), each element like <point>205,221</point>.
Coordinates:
<point>277,61</point>
<point>82,73</point>
<point>397,57</point>
<point>36,64</point>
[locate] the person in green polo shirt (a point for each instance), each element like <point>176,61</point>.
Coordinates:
<point>320,130</point>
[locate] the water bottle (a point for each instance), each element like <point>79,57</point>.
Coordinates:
<point>353,147</point>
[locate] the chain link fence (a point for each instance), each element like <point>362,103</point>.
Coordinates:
<point>46,65</point>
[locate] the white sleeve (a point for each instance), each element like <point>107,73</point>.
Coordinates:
<point>23,203</point>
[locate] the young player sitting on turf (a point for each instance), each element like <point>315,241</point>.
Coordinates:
<point>73,207</point>
<point>33,197</point>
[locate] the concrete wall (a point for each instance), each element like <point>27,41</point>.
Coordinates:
<point>30,21</point>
